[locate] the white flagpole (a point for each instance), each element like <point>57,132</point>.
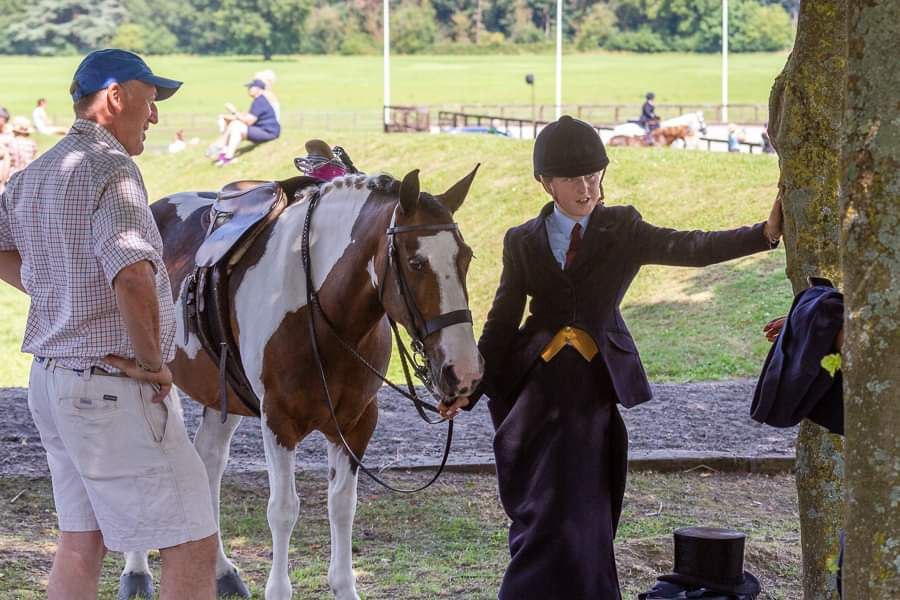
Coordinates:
<point>724,61</point>
<point>559,28</point>
<point>386,17</point>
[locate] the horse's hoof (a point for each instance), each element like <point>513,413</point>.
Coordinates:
<point>230,584</point>
<point>135,585</point>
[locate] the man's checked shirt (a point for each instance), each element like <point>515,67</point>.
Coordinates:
<point>77,216</point>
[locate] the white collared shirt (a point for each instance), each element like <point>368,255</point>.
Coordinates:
<point>559,233</point>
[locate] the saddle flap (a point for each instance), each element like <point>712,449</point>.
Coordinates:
<point>238,208</point>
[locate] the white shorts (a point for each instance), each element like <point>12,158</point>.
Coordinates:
<point>118,461</point>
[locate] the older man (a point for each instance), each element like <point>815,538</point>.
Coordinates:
<point>77,236</point>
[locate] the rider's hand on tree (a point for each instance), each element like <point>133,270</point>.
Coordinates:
<point>161,380</point>
<point>775,222</point>
<point>451,410</point>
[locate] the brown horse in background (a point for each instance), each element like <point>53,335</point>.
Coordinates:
<point>662,136</point>
<point>359,279</point>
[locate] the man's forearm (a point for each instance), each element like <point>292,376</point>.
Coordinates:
<point>135,288</point>
<point>11,269</point>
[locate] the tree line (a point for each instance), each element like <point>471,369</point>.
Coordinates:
<point>268,27</point>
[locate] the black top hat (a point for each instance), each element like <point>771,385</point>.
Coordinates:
<point>712,558</point>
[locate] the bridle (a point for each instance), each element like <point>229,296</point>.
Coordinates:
<point>421,329</point>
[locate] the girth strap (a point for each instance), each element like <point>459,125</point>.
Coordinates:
<point>206,307</point>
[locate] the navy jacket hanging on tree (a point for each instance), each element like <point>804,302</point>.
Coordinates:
<point>560,444</point>
<point>793,384</point>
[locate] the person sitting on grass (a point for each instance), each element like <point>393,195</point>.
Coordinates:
<point>42,121</point>
<point>259,124</point>
<point>554,383</point>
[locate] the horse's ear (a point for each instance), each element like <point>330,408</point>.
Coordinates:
<point>453,198</point>
<point>409,192</point>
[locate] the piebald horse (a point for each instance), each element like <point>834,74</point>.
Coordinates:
<point>357,285</point>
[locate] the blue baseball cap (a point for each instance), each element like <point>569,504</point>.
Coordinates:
<point>256,83</point>
<point>102,68</point>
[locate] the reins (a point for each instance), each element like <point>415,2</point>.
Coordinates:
<point>418,360</point>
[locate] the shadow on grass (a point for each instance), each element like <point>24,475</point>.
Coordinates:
<point>702,324</point>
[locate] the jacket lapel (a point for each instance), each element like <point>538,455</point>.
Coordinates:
<point>537,242</point>
<point>594,240</point>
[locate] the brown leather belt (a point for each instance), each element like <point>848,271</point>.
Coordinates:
<point>571,336</point>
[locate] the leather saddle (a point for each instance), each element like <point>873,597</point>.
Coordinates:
<point>241,212</point>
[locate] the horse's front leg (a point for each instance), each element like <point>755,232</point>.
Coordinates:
<point>213,444</point>
<point>342,480</point>
<point>284,506</point>
<point>136,581</point>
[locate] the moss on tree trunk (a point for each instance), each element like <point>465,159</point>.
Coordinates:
<point>870,245</point>
<point>806,110</point>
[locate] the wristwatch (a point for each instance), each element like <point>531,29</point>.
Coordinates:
<point>145,367</point>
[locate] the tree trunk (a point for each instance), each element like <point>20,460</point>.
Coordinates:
<point>870,246</point>
<point>805,114</point>
<point>477,22</point>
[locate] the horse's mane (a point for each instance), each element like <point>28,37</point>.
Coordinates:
<point>379,183</point>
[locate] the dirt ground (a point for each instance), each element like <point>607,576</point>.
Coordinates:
<point>705,417</point>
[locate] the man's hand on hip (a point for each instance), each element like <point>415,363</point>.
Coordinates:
<point>161,380</point>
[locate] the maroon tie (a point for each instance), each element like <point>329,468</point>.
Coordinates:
<point>574,240</point>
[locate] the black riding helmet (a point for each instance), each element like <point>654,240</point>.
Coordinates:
<point>568,148</point>
<point>650,96</point>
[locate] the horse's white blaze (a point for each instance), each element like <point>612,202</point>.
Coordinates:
<point>192,348</point>
<point>187,203</point>
<point>276,285</point>
<point>457,342</point>
<point>341,511</point>
<point>282,511</point>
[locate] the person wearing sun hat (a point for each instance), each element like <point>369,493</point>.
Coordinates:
<point>554,382</point>
<point>77,236</point>
<point>22,149</point>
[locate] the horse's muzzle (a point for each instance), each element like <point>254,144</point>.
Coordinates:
<point>453,384</point>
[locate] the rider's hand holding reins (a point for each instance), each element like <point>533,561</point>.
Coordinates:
<point>160,380</point>
<point>451,410</point>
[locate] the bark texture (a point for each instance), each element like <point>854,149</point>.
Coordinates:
<point>806,110</point>
<point>870,209</point>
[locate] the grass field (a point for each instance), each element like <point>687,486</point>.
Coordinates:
<point>446,542</point>
<point>689,323</point>
<point>355,82</point>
